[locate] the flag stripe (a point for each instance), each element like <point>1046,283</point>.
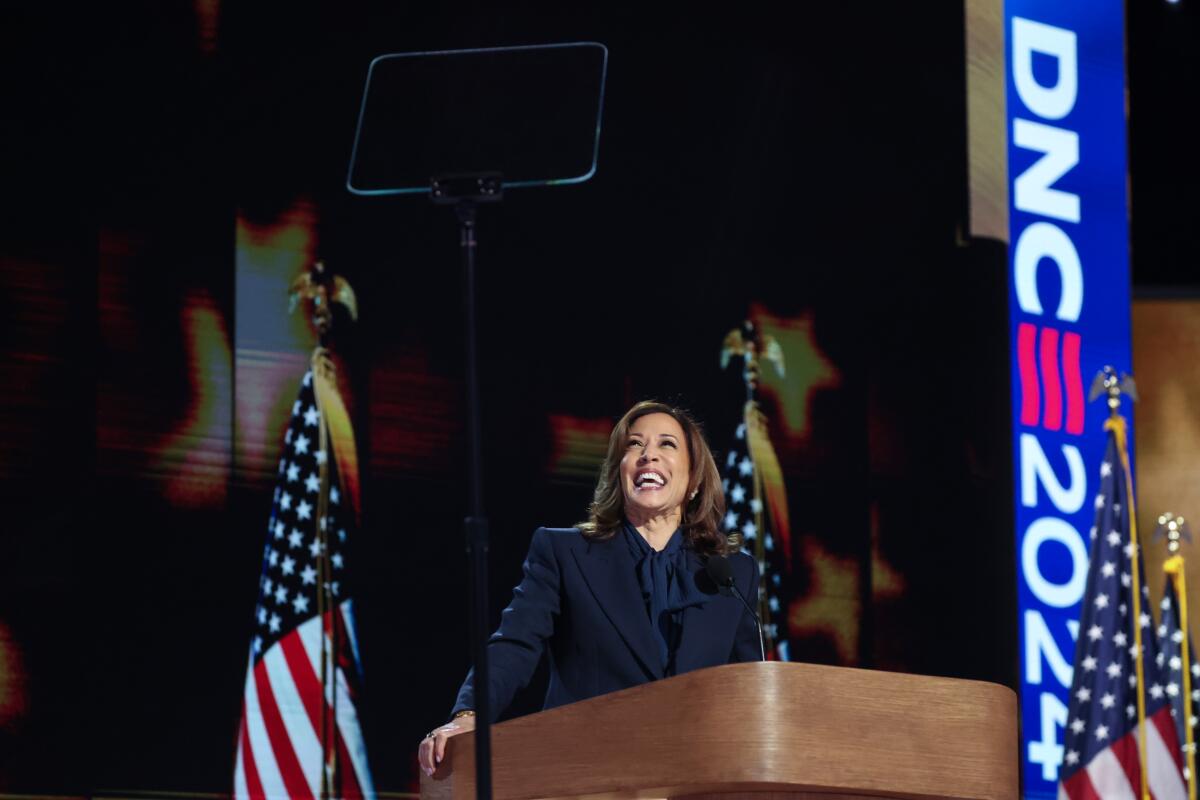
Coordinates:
<point>346,669</point>
<point>285,757</point>
<point>1126,751</point>
<point>1078,787</point>
<point>351,634</point>
<point>353,748</point>
<point>342,655</point>
<point>307,682</point>
<point>1164,776</point>
<point>1109,778</point>
<point>290,698</point>
<point>309,686</point>
<point>262,756</point>
<point>246,782</point>
<point>312,636</point>
<point>240,792</point>
<point>347,772</point>
<point>1170,737</point>
<point>309,635</point>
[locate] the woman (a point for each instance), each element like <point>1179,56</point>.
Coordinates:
<point>624,598</point>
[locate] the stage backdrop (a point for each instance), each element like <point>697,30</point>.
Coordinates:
<point>741,179</point>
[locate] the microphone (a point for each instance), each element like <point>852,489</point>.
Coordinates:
<point>721,572</point>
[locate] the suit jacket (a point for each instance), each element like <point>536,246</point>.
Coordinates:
<point>580,602</point>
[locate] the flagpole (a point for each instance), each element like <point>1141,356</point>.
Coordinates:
<point>1189,738</point>
<point>764,610</point>
<point>321,290</point>
<point>1116,424</point>
<point>1174,567</point>
<point>750,376</point>
<point>323,577</point>
<point>748,343</point>
<point>325,380</point>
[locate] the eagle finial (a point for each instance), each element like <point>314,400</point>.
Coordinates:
<point>1108,383</point>
<point>1174,528</point>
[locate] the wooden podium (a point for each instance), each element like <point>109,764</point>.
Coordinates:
<point>763,731</point>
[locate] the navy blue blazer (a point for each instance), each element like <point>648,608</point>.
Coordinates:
<point>580,602</point>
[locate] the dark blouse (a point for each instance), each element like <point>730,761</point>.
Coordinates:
<point>660,575</point>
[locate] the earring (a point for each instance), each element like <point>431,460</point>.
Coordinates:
<point>692,496</point>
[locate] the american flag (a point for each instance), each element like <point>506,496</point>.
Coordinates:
<point>300,736</point>
<point>1170,665</point>
<point>746,514</point>
<point>1102,752</point>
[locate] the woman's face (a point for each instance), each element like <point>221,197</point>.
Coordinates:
<point>654,470</point>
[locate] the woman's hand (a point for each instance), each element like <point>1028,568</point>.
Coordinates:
<point>433,746</point>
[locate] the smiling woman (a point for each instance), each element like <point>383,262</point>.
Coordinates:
<point>623,598</point>
<point>647,475</point>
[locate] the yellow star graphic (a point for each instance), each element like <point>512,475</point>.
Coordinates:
<point>808,370</point>
<point>832,608</point>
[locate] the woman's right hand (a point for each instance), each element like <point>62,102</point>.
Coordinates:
<point>433,746</point>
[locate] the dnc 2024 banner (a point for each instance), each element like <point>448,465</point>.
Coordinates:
<point>1069,302</point>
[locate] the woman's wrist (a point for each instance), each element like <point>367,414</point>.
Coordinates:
<point>466,712</point>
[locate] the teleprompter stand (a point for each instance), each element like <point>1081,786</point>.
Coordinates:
<point>534,114</point>
<point>464,193</point>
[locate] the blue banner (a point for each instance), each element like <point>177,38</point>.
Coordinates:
<point>1069,301</point>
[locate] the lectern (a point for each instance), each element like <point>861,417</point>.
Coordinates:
<point>765,731</point>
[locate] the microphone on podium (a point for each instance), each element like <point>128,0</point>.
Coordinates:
<point>721,572</point>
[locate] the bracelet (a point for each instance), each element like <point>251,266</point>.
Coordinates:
<point>466,712</point>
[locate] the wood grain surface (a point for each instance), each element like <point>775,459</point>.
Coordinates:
<point>772,729</point>
<point>987,131</point>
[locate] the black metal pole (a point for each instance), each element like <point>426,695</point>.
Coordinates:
<point>475,525</point>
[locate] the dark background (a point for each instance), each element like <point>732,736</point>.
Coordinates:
<point>806,163</point>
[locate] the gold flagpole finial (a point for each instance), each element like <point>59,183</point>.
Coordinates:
<point>1174,528</point>
<point>749,343</point>
<point>320,289</point>
<point>1107,382</point>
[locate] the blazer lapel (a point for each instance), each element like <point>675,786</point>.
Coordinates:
<point>695,622</point>
<point>608,570</point>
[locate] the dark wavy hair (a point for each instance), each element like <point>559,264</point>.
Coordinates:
<point>702,514</point>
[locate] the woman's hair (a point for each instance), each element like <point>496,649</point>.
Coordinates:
<point>702,514</point>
